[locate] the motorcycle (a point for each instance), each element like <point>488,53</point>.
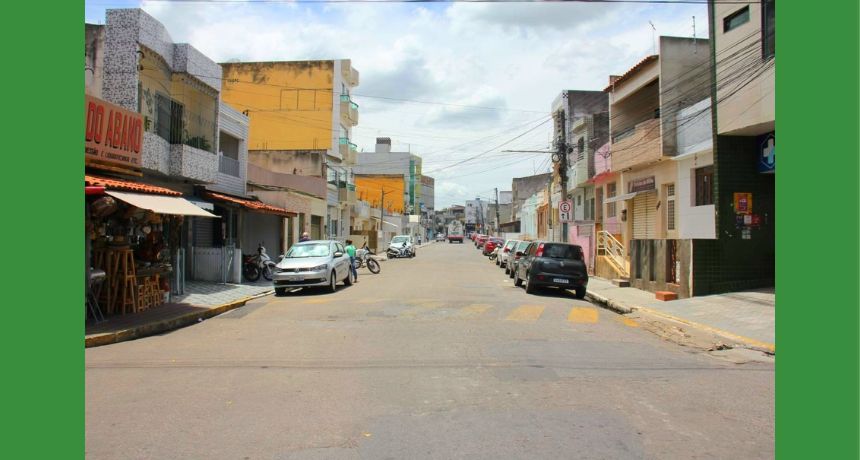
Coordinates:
<point>254,265</point>
<point>364,256</point>
<point>493,255</point>
<point>396,253</point>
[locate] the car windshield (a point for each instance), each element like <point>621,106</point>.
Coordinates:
<point>511,244</point>
<point>562,251</point>
<point>308,250</point>
<point>399,239</point>
<point>522,246</point>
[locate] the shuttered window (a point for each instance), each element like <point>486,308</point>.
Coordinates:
<point>644,216</point>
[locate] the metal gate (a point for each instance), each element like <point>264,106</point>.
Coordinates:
<point>644,216</point>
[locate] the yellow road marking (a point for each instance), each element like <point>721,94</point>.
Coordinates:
<point>583,315</point>
<point>474,309</point>
<point>628,321</point>
<point>317,301</point>
<point>526,313</point>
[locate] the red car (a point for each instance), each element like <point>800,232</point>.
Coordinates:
<point>480,240</point>
<point>491,245</point>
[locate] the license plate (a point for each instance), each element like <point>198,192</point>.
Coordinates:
<point>560,280</point>
<point>294,278</point>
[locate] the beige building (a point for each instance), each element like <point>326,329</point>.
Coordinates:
<point>643,124</point>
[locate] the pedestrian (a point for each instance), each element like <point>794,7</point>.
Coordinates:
<point>305,237</point>
<point>350,249</point>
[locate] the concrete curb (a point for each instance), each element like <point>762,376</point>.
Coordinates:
<point>608,303</point>
<point>144,330</point>
<point>746,342</point>
<point>623,309</point>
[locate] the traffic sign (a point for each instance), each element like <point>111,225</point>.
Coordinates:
<point>564,211</point>
<point>565,206</point>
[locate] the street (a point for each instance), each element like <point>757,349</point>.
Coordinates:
<point>439,356</point>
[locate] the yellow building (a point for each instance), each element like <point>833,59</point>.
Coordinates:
<point>301,115</point>
<point>371,187</point>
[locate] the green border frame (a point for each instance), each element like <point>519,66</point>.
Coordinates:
<point>817,235</point>
<point>817,105</point>
<point>43,230</point>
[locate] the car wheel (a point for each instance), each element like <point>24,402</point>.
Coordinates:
<point>580,293</point>
<point>530,287</point>
<point>517,280</point>
<point>280,291</point>
<point>511,272</point>
<point>332,284</point>
<point>507,271</point>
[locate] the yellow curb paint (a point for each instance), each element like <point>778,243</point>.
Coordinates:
<point>628,321</point>
<point>745,340</point>
<point>583,315</point>
<point>526,313</point>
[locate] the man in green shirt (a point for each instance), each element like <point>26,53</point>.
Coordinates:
<point>350,249</point>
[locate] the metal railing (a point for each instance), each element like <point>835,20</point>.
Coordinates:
<point>229,166</point>
<point>608,246</point>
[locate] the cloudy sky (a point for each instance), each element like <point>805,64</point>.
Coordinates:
<point>447,81</point>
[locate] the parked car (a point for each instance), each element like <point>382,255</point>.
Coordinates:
<point>480,240</point>
<point>313,263</point>
<point>550,264</point>
<point>505,252</point>
<point>515,255</point>
<point>491,244</point>
<point>440,237</point>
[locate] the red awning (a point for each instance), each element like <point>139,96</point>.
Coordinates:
<point>253,205</point>
<point>117,184</point>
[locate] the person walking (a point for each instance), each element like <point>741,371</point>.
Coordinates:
<point>305,237</point>
<point>350,249</point>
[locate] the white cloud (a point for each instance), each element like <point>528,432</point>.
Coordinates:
<point>515,56</point>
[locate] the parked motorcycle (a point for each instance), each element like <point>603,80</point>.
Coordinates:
<point>254,265</point>
<point>493,255</point>
<point>398,252</point>
<point>364,257</point>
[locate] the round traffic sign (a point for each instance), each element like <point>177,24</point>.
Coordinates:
<point>564,206</point>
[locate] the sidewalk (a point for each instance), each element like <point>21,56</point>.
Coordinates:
<point>746,317</point>
<point>202,300</point>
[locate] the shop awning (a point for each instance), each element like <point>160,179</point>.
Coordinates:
<point>256,206</point>
<point>626,196</point>
<point>161,204</point>
<point>118,184</point>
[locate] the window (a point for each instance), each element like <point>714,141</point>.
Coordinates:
<point>670,207</point>
<point>580,149</point>
<point>732,21</point>
<point>579,200</point>
<point>768,28</point>
<point>610,193</point>
<point>704,186</point>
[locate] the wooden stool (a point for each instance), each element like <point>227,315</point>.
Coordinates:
<point>127,302</point>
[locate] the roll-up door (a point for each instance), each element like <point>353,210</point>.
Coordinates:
<point>644,216</point>
<point>204,232</point>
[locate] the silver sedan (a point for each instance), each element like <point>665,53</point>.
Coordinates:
<point>313,263</point>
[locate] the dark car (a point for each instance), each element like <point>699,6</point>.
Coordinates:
<point>491,245</point>
<point>551,264</point>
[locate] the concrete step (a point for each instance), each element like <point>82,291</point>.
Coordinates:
<point>621,282</point>
<point>666,295</point>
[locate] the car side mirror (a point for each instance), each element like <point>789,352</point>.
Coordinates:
<point>519,254</point>
<point>338,254</point>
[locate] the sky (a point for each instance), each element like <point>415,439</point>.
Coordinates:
<point>446,81</point>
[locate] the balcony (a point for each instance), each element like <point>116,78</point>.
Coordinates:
<point>192,163</point>
<point>638,146</point>
<point>348,150</point>
<point>346,193</point>
<point>348,110</point>
<point>229,166</point>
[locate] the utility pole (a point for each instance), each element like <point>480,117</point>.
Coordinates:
<point>497,211</point>
<point>561,146</point>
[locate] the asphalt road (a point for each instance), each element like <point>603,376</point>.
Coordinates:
<point>437,357</point>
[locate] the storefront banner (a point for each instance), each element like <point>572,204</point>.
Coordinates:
<point>114,135</point>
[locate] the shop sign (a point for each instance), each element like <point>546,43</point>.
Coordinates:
<point>767,153</point>
<point>114,135</point>
<point>641,185</point>
<point>743,203</point>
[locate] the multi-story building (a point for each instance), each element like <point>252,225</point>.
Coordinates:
<point>428,205</point>
<point>300,145</point>
<point>582,125</point>
<point>522,188</point>
<point>643,104</point>
<point>192,145</point>
<point>476,215</point>
<point>741,181</point>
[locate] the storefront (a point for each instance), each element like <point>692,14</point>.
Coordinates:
<point>134,254</point>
